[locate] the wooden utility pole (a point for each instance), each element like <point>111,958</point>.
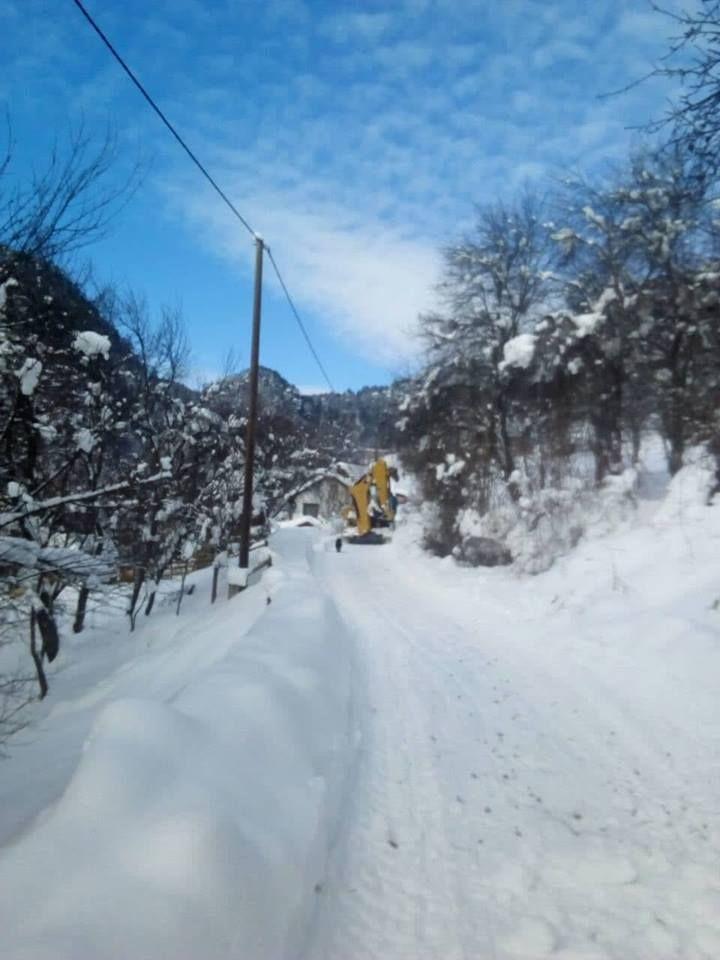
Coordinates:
<point>246,518</point>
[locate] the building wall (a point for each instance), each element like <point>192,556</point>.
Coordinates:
<point>330,495</point>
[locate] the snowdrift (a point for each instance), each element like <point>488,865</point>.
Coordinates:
<point>196,824</point>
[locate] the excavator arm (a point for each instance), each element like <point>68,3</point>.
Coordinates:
<point>381,474</point>
<point>378,477</point>
<point>360,493</point>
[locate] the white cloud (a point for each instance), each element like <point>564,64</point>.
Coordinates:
<point>405,57</point>
<point>550,54</point>
<point>646,26</point>
<point>367,281</point>
<point>408,113</point>
<point>344,27</point>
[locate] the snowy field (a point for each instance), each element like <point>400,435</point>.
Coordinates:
<point>396,758</point>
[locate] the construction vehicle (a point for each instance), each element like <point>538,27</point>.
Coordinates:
<point>373,504</point>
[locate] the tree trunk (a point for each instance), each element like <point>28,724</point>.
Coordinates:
<point>182,590</point>
<point>79,621</point>
<point>137,587</point>
<point>607,424</point>
<point>150,601</point>
<point>507,461</point>
<point>37,657</point>
<point>675,422</point>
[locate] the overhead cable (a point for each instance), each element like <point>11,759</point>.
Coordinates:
<point>297,317</point>
<point>164,119</point>
<point>221,193</point>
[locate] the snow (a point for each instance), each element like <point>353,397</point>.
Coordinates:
<point>45,430</point>
<point>608,295</point>
<point>4,287</point>
<point>519,351</point>
<point>19,552</point>
<point>92,344</point>
<point>595,218</point>
<point>450,468</point>
<point>533,784</point>
<point>301,521</point>
<point>29,375</point>
<point>394,758</point>
<point>85,440</point>
<point>240,576</point>
<point>587,323</point>
<point>566,237</point>
<point>191,790</point>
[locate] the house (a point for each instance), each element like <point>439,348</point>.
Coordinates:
<point>322,497</point>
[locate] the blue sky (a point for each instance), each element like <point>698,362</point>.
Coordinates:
<point>354,136</point>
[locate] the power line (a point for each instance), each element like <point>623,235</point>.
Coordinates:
<point>208,177</point>
<point>297,317</point>
<point>164,119</point>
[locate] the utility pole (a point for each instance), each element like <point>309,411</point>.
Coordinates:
<point>252,412</point>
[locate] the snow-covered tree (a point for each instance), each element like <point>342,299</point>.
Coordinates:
<point>626,238</point>
<point>457,423</point>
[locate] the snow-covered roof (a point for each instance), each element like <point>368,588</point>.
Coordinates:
<point>321,475</point>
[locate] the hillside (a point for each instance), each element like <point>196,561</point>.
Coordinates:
<point>353,425</point>
<point>45,308</point>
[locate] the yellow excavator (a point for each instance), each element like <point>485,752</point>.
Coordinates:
<point>371,511</point>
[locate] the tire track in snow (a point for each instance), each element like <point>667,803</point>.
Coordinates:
<point>391,891</point>
<point>509,804</point>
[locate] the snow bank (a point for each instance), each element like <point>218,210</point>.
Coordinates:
<point>301,521</point>
<point>576,729</point>
<point>689,490</point>
<point>196,823</point>
<point>546,523</point>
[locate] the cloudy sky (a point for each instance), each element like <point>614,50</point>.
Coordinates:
<point>354,136</point>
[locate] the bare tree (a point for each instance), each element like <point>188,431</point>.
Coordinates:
<point>164,424</point>
<point>694,59</point>
<point>70,203</point>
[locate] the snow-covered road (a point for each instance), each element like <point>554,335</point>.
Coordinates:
<point>379,755</point>
<point>528,786</point>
